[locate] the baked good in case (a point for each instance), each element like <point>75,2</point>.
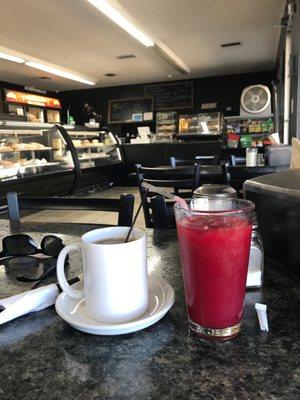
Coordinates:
<point>36,146</point>
<point>5,148</point>
<point>6,163</point>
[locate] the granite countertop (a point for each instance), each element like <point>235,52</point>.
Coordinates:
<point>42,357</point>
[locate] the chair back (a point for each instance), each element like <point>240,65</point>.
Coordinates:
<point>225,174</point>
<point>207,160</point>
<point>181,180</point>
<point>124,206</point>
<point>202,160</point>
<point>162,213</point>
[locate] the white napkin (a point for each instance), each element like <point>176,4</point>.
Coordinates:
<point>24,303</point>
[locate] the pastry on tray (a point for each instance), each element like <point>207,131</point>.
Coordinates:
<point>5,148</point>
<point>36,146</point>
<point>76,142</point>
<point>6,163</point>
<point>21,146</point>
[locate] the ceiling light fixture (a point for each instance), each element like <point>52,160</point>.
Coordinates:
<point>9,57</point>
<point>116,16</point>
<point>58,72</point>
<point>168,58</point>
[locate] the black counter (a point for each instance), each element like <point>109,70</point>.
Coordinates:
<point>43,358</point>
<point>51,184</point>
<point>159,153</point>
<point>108,172</point>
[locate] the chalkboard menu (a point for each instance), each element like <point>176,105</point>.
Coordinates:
<point>170,96</point>
<point>120,111</point>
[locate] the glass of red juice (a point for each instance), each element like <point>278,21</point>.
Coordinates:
<point>214,241</point>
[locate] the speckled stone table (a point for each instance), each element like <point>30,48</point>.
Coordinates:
<point>44,358</point>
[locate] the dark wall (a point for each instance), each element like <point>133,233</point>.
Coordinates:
<point>225,90</point>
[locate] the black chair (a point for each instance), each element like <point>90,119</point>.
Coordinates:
<point>207,164</point>
<point>124,206</point>
<point>202,160</point>
<point>225,174</point>
<point>207,160</point>
<point>181,180</point>
<point>162,213</point>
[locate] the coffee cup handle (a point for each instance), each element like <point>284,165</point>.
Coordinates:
<point>60,270</point>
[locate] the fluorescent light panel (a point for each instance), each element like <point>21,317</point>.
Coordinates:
<point>9,57</point>
<point>107,9</point>
<point>58,72</point>
<point>46,68</point>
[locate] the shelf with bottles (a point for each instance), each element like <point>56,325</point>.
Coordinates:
<point>25,153</point>
<point>233,140</point>
<point>247,132</point>
<point>247,126</point>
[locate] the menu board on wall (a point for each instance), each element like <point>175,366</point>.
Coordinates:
<point>170,96</point>
<point>120,111</point>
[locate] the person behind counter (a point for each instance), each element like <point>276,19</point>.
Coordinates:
<point>88,113</point>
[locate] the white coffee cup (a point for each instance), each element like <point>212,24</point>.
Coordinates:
<point>115,275</point>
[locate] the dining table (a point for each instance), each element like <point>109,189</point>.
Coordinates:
<point>42,357</point>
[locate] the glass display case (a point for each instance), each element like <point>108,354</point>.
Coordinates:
<point>26,151</point>
<point>95,148</point>
<point>203,123</point>
<point>166,123</point>
<point>45,159</point>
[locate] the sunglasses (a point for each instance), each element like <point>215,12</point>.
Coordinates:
<point>22,245</point>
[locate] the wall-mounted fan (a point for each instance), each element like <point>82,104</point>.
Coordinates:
<point>255,101</point>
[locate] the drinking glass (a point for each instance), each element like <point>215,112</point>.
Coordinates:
<point>214,241</point>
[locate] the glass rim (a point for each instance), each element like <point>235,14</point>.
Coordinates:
<point>249,206</point>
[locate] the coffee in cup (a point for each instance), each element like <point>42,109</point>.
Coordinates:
<point>115,274</point>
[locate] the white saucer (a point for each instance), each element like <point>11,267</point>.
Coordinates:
<point>161,299</point>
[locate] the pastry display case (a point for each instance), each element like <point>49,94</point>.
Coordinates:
<point>95,148</point>
<point>45,159</point>
<point>202,123</point>
<point>166,124</point>
<point>27,151</point>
